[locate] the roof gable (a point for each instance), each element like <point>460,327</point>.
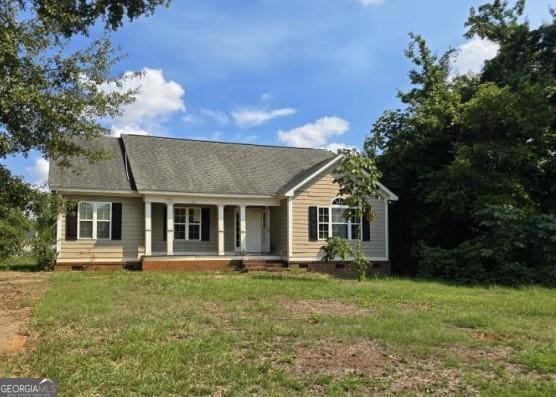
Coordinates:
<point>109,174</point>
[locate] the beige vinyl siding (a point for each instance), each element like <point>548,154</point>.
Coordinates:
<point>127,249</point>
<point>181,246</point>
<point>321,192</point>
<point>279,229</point>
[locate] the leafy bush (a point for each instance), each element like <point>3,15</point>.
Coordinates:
<point>512,247</point>
<point>337,247</point>
<point>44,251</point>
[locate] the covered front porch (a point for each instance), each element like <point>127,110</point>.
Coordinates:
<point>201,229</point>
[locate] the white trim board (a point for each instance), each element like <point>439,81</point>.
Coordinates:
<point>95,192</point>
<point>219,195</point>
<point>338,259</point>
<point>200,200</point>
<point>213,257</point>
<point>92,261</point>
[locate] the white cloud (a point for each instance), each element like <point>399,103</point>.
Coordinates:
<point>315,134</point>
<point>370,2</point>
<point>128,129</point>
<point>334,146</point>
<point>267,96</point>
<point>39,172</point>
<point>250,117</point>
<point>216,115</point>
<point>472,55</point>
<point>156,99</point>
<point>189,119</point>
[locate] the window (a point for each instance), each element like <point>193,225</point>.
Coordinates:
<point>336,224</point>
<point>194,224</point>
<point>103,220</point>
<point>324,223</point>
<point>340,224</point>
<point>355,228</point>
<point>179,223</point>
<point>95,220</point>
<point>86,220</point>
<point>187,223</point>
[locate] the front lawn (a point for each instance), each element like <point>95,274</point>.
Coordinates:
<point>156,334</point>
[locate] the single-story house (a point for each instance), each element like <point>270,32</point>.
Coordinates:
<point>167,203</point>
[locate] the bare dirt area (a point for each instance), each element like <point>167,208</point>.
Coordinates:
<point>18,293</point>
<point>370,359</point>
<point>307,308</point>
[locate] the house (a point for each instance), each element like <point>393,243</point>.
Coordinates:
<point>168,203</point>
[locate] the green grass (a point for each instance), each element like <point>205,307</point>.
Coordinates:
<point>125,333</point>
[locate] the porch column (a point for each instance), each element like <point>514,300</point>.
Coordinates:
<point>242,230</point>
<point>148,229</point>
<point>59,234</point>
<point>220,230</point>
<point>267,228</point>
<point>170,228</point>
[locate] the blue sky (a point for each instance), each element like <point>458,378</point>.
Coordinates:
<point>313,73</point>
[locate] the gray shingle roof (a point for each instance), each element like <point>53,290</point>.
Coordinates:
<point>106,174</point>
<point>191,166</point>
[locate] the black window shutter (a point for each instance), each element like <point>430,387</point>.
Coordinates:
<point>313,224</point>
<point>71,221</point>
<point>165,223</point>
<point>366,230</point>
<point>205,224</point>
<point>116,221</point>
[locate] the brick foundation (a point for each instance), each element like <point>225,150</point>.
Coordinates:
<point>340,268</point>
<point>334,268</point>
<point>150,266</point>
<point>80,266</point>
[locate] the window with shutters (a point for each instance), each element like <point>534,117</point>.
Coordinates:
<point>94,220</point>
<point>194,226</point>
<point>336,225</point>
<point>324,223</point>
<point>187,223</point>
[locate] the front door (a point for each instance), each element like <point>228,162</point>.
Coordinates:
<point>254,226</point>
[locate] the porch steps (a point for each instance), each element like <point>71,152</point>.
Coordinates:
<point>257,265</point>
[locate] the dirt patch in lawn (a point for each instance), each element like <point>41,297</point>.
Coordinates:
<point>307,308</point>
<point>488,336</point>
<point>340,359</point>
<point>495,354</point>
<point>18,293</point>
<point>388,371</point>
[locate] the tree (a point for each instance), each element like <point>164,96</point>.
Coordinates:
<point>357,177</point>
<point>15,197</point>
<point>51,95</point>
<point>25,210</point>
<point>48,94</point>
<point>473,158</point>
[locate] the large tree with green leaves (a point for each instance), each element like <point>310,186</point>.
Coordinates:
<point>51,94</point>
<point>473,158</point>
<point>357,177</point>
